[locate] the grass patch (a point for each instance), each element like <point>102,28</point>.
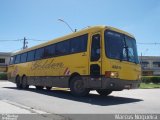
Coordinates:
<point>151,79</point>
<point>149,85</point>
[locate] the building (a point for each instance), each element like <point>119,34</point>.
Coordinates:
<point>150,65</point>
<point>4,61</point>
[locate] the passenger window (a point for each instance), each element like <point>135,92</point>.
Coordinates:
<point>39,54</point>
<point>30,56</point>
<point>79,44</point>
<point>95,48</point>
<point>17,60</point>
<point>84,40</point>
<point>23,57</point>
<point>75,46</point>
<point>62,48</point>
<point>49,51</point>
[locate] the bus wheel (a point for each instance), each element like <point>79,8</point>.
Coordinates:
<point>77,87</point>
<point>24,83</point>
<point>48,88</point>
<point>18,83</point>
<point>39,87</point>
<point>104,92</point>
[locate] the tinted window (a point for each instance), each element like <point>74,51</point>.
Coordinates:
<point>95,48</point>
<point>23,57</point>
<point>132,49</point>
<point>49,51</point>
<point>79,44</point>
<point>17,60</point>
<point>62,48</point>
<point>120,46</point>
<point>39,54</point>
<point>83,42</point>
<point>114,45</point>
<point>30,56</point>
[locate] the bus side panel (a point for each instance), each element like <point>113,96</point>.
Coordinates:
<point>65,66</point>
<point>55,71</point>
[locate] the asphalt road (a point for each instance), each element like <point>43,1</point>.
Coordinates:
<point>62,102</point>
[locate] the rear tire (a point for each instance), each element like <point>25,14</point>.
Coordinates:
<point>104,92</point>
<point>24,83</point>
<point>48,88</point>
<point>77,87</point>
<point>18,83</point>
<point>39,87</point>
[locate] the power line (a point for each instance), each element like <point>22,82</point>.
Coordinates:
<point>37,40</point>
<point>19,40</point>
<point>11,40</point>
<point>149,43</point>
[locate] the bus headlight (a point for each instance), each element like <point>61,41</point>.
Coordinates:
<point>111,74</point>
<point>114,74</point>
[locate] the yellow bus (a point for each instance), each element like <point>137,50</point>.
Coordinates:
<point>100,58</point>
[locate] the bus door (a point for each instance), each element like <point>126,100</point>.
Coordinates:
<point>95,61</point>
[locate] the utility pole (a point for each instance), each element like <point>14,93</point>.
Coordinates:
<point>25,43</point>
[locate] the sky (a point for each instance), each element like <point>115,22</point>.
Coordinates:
<point>38,20</point>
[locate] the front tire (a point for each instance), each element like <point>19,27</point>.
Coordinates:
<point>48,88</point>
<point>104,92</point>
<point>77,87</point>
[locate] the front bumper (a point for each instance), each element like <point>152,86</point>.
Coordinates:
<point>113,84</point>
<point>118,84</point>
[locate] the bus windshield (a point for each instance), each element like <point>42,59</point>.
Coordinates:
<point>121,47</point>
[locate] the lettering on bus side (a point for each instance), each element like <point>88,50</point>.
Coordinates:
<point>116,67</point>
<point>46,65</point>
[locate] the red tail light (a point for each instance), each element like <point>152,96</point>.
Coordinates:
<point>108,74</point>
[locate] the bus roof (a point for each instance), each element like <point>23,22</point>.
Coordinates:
<point>120,31</point>
<point>74,34</point>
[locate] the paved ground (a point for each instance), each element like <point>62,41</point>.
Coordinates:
<point>62,102</point>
